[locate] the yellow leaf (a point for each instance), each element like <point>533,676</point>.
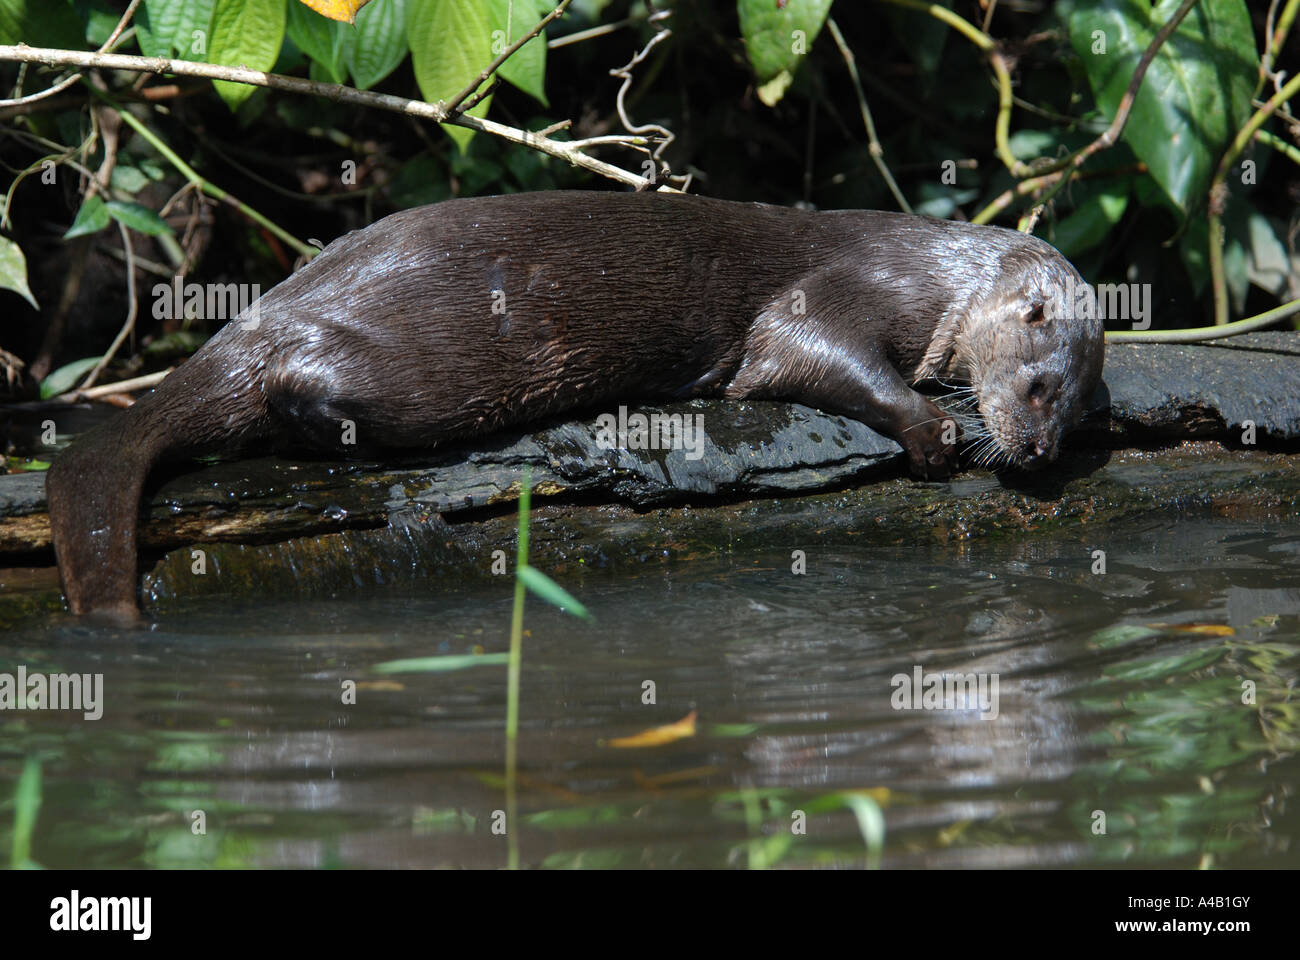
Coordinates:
<point>658,736</point>
<point>1205,629</point>
<point>345,11</point>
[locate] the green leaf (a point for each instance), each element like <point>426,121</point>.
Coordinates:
<point>451,43</point>
<point>871,824</point>
<point>40,23</point>
<point>138,218</point>
<point>128,179</point>
<point>91,218</point>
<point>1271,265</point>
<point>921,36</point>
<point>777,37</point>
<point>526,68</point>
<point>1093,220</point>
<point>1196,93</point>
<point>13,271</point>
<point>175,27</point>
<point>940,200</point>
<point>27,804</point>
<point>441,664</point>
<point>550,591</point>
<point>245,33</point>
<point>1160,667</point>
<point>101,20</point>
<point>66,377</point>
<point>378,44</point>
<point>319,37</point>
<point>1122,634</point>
<point>420,180</point>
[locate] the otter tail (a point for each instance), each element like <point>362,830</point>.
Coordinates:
<point>93,488</point>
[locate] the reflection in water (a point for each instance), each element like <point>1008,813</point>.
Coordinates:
<point>1102,720</point>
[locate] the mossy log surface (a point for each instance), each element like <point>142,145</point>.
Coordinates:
<point>1171,430</point>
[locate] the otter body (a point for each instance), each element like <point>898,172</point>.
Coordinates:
<point>457,319</point>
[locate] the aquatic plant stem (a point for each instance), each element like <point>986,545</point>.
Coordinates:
<point>513,669</point>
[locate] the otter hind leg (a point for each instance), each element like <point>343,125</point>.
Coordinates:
<point>357,409</point>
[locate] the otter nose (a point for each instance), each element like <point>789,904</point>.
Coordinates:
<point>1034,455</point>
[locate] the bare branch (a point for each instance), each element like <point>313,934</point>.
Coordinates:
<point>69,81</point>
<point>338,93</point>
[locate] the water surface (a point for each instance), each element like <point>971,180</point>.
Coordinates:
<point>1121,737</point>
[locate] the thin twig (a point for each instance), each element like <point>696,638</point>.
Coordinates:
<point>591,33</point>
<point>1218,194</point>
<point>338,93</point>
<point>122,386</point>
<point>624,73</point>
<point>129,325</point>
<point>69,81</point>
<point>453,106</point>
<point>873,142</point>
<point>1110,136</point>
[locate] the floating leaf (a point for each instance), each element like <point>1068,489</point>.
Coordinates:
<point>13,271</point>
<point>1121,634</point>
<point>658,736</point>
<point>1158,667</point>
<point>441,664</point>
<point>1204,629</point>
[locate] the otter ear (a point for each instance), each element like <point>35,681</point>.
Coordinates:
<point>1038,313</point>
<point>939,353</point>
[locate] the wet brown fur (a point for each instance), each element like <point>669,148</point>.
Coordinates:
<point>609,298</point>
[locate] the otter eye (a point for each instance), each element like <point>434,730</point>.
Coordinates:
<point>1037,392</point>
<point>1036,315</point>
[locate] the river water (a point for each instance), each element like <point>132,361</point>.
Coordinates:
<point>1145,716</point>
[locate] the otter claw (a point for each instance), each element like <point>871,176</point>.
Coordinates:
<point>928,455</point>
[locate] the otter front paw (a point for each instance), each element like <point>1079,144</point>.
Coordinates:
<point>931,446</point>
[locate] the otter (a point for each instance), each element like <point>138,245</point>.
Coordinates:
<point>457,319</point>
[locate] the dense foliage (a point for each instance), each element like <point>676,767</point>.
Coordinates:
<point>756,92</point>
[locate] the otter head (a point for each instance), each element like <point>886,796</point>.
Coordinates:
<point>1024,333</point>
